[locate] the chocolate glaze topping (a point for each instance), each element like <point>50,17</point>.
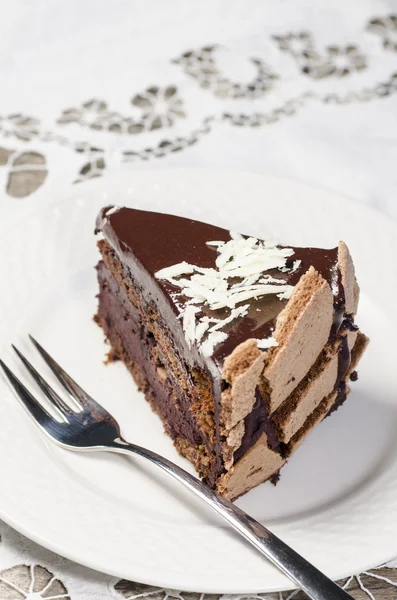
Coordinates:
<point>147,242</point>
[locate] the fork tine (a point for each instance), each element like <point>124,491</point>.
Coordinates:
<point>81,397</point>
<point>51,394</point>
<point>29,402</point>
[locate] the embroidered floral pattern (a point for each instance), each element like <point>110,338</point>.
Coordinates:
<point>167,146</point>
<point>289,108</point>
<point>5,155</point>
<point>33,582</point>
<point>89,113</point>
<point>334,60</point>
<point>380,90</point>
<point>20,126</point>
<point>370,585</point>
<point>386,28</point>
<point>295,44</point>
<point>86,148</point>
<point>27,171</point>
<point>202,65</point>
<point>366,586</point>
<point>377,583</point>
<point>95,114</point>
<point>91,169</point>
<point>158,108</point>
<point>132,591</point>
<point>161,107</point>
<point>338,61</point>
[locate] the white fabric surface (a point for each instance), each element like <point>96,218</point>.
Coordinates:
<point>214,108</point>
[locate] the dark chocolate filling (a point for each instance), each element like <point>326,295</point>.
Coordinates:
<point>339,304</point>
<point>256,423</point>
<point>340,398</point>
<point>123,320</point>
<point>343,360</point>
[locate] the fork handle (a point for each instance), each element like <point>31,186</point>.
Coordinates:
<point>316,585</point>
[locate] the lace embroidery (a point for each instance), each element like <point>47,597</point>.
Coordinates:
<point>159,109</point>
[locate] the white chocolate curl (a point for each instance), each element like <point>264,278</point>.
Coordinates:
<point>246,259</point>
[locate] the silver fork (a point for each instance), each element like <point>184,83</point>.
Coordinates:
<point>86,425</point>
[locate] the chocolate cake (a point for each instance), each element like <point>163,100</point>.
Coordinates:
<point>240,345</point>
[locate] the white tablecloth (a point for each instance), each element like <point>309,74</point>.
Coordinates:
<point>304,89</point>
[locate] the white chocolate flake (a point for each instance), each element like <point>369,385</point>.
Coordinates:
<point>215,338</point>
<point>112,210</point>
<point>240,311</point>
<point>182,268</point>
<point>270,279</point>
<point>242,258</point>
<point>286,294</point>
<point>214,243</point>
<point>269,342</point>
<point>296,265</point>
<point>201,328</point>
<point>189,323</point>
<point>227,300</point>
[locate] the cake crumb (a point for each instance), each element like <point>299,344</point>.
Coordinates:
<point>275,478</point>
<point>111,357</point>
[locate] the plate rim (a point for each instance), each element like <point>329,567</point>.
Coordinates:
<point>98,183</point>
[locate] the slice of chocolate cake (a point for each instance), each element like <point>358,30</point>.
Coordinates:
<point>240,345</point>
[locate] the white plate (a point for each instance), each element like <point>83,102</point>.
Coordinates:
<point>336,502</point>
